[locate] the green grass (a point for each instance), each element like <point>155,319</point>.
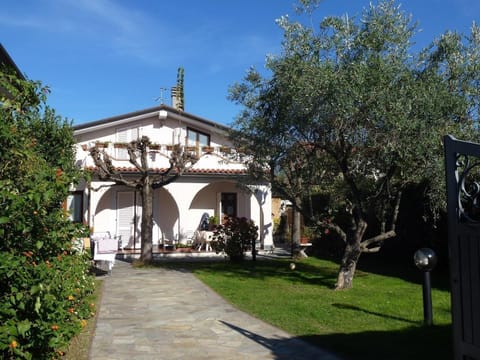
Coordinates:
<point>380,318</point>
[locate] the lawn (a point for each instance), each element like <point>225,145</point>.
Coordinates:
<point>380,318</point>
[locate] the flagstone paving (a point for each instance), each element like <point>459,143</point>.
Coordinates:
<point>158,313</point>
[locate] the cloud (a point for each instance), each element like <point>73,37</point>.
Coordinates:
<point>157,36</point>
<point>104,23</point>
<point>110,14</point>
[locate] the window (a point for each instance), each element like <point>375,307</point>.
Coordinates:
<point>124,135</point>
<point>195,138</point>
<point>74,206</point>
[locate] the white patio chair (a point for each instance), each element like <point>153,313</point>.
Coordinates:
<point>104,248</point>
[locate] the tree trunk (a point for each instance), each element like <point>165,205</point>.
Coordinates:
<point>147,222</point>
<point>297,222</point>
<point>348,266</point>
<point>350,257</point>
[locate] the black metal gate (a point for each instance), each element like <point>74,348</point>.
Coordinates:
<point>462,163</point>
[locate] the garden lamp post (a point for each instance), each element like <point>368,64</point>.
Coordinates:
<point>425,259</point>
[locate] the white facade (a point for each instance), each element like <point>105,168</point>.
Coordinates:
<point>214,185</point>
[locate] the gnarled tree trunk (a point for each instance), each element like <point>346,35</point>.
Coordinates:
<point>351,255</point>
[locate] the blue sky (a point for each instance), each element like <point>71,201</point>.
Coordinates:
<point>108,57</point>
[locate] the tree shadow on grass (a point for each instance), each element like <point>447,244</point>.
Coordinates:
<point>412,343</point>
<point>303,273</point>
<point>356,308</point>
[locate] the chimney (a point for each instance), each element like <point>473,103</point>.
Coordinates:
<point>177,92</point>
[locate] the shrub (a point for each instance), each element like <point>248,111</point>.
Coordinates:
<point>44,284</point>
<point>44,303</point>
<point>234,237</point>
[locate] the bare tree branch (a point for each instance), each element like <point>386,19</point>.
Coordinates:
<point>376,239</point>
<point>180,161</point>
<point>106,170</point>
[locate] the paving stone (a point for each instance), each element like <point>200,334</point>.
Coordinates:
<point>169,314</point>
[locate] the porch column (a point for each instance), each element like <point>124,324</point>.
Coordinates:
<point>263,198</point>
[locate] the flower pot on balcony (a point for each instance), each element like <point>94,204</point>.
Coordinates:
<point>101,145</point>
<point>208,149</point>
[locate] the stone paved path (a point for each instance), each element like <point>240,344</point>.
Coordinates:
<point>169,314</point>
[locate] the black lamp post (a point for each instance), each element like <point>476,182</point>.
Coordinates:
<point>425,259</point>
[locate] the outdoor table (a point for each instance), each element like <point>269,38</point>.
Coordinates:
<point>203,239</point>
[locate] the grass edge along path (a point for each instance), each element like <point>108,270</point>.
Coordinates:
<point>380,318</point>
<point>79,347</point>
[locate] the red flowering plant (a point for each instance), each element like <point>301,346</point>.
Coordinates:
<point>234,237</point>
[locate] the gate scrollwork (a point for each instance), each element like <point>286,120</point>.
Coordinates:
<point>468,175</point>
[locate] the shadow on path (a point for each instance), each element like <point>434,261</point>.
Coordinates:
<point>283,349</point>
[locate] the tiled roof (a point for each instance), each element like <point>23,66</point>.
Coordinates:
<point>170,109</point>
<point>133,170</point>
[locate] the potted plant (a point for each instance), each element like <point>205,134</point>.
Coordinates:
<point>308,235</point>
<point>120,145</point>
<point>154,146</point>
<point>101,144</point>
<point>212,222</point>
<point>208,149</point>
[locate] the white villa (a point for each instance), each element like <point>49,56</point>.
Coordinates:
<point>215,185</point>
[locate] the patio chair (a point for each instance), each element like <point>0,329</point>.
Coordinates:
<point>189,237</point>
<point>167,243</point>
<point>104,249</point>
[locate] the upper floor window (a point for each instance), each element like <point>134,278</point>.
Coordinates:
<point>195,137</point>
<point>124,135</point>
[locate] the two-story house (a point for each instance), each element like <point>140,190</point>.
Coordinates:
<point>217,184</point>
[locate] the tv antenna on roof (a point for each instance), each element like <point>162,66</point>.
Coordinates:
<point>161,98</point>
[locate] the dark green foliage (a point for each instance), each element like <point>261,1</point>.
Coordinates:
<point>44,282</point>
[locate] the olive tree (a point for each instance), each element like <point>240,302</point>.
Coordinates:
<point>351,112</point>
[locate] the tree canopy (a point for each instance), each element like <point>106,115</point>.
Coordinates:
<point>352,112</point>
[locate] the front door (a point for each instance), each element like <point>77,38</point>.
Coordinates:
<point>229,205</point>
<point>128,219</point>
